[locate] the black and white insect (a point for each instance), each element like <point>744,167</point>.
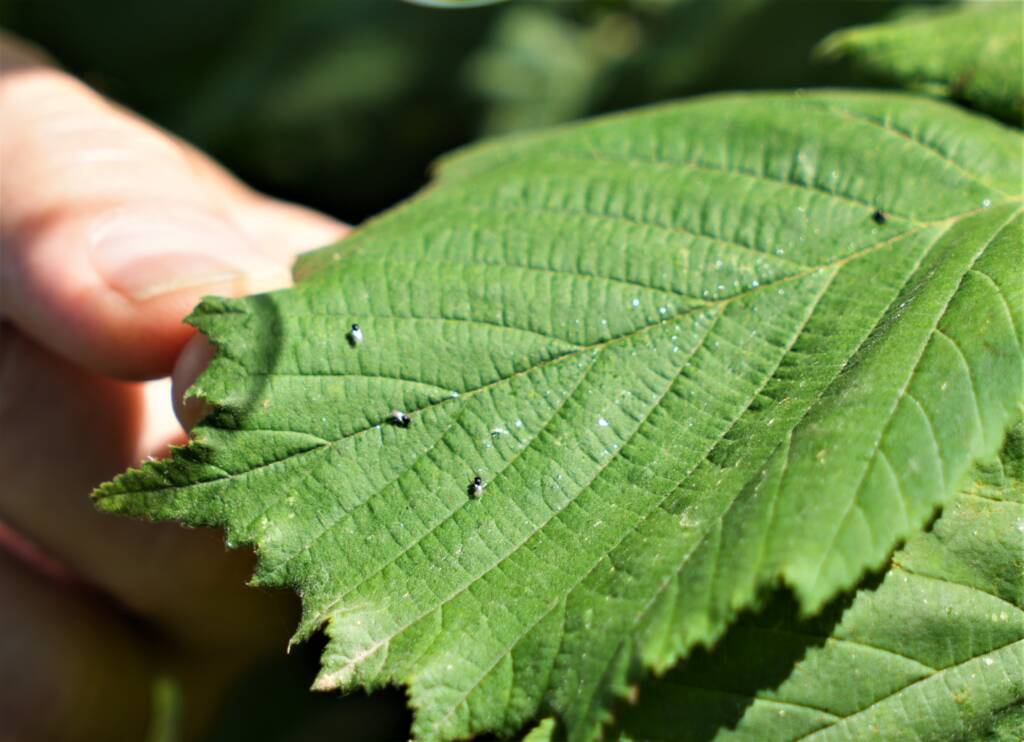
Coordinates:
<point>880,216</point>
<point>355,335</point>
<point>476,487</point>
<point>400,419</point>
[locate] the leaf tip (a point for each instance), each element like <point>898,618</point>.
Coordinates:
<point>832,48</point>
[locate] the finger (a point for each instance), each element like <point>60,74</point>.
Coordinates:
<point>112,230</point>
<point>285,229</point>
<point>191,363</point>
<point>179,580</point>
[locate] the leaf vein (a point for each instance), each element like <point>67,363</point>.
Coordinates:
<point>887,126</point>
<point>760,177</point>
<point>447,600</point>
<point>939,673</point>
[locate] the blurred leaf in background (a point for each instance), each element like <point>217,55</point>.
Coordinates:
<point>973,54</point>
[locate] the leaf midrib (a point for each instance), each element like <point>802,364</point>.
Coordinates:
<point>468,394</point>
<point>326,681</point>
<point>448,599</point>
<point>876,447</point>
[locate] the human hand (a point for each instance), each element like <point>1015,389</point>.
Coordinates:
<point>111,231</point>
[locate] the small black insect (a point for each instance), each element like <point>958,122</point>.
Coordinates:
<point>880,216</point>
<point>476,487</point>
<point>400,419</point>
<point>355,335</point>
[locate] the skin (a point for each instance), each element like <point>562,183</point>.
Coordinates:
<point>111,231</point>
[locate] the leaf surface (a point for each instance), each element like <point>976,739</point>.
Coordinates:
<point>973,53</point>
<point>681,348</point>
<point>935,652</point>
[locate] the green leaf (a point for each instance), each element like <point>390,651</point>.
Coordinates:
<point>974,54</point>
<point>543,732</point>
<point>683,354</point>
<point>936,652</point>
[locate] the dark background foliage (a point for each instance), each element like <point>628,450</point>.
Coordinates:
<point>343,104</point>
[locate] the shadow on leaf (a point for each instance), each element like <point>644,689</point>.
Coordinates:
<point>713,689</point>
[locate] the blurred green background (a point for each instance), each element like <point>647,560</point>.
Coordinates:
<point>343,104</point>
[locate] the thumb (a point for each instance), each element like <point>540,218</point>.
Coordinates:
<point>112,230</point>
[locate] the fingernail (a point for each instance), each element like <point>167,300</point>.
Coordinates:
<point>192,361</point>
<point>145,251</point>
